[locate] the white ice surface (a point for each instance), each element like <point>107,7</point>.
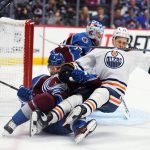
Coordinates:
<point>113,132</point>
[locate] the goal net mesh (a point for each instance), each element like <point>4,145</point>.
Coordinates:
<point>16,40</point>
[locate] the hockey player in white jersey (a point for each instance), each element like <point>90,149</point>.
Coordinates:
<point>113,67</point>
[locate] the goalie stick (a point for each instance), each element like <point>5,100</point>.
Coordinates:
<point>102,47</point>
<point>4,83</point>
<point>66,45</point>
<point>4,3</point>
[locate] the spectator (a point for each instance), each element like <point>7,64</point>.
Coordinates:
<point>18,11</point>
<point>62,7</point>
<point>92,3</point>
<point>131,20</point>
<point>102,17</point>
<point>118,19</point>
<point>84,16</point>
<point>22,11</point>
<point>37,20</point>
<point>55,19</point>
<point>133,4</point>
<point>144,20</point>
<point>69,20</point>
<point>37,10</point>
<point>130,4</point>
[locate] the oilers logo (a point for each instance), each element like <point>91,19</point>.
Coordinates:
<point>113,59</point>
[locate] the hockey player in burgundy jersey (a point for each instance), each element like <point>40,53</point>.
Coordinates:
<point>92,37</point>
<point>46,93</point>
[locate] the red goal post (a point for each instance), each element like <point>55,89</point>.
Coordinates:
<point>28,57</point>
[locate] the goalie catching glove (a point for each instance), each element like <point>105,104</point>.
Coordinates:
<point>73,72</point>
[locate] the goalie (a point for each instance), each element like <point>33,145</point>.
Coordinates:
<point>92,37</point>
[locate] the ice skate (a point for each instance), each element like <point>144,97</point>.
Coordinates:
<point>38,122</point>
<point>76,113</point>
<point>85,130</point>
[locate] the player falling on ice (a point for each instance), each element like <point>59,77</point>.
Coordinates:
<point>46,92</point>
<point>113,67</point>
<point>46,89</point>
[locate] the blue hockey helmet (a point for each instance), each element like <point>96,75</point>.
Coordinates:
<point>95,30</point>
<point>55,59</point>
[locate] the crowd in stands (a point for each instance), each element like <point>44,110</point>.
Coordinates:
<point>111,13</point>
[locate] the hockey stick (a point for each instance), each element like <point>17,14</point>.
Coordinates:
<point>4,3</point>
<point>75,46</point>
<point>102,47</point>
<point>4,83</point>
<point>126,113</point>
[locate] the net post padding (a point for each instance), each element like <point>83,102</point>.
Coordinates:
<point>28,57</point>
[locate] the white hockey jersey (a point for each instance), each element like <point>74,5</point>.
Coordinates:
<point>113,67</point>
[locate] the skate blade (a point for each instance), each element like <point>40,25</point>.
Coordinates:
<point>5,133</point>
<point>33,128</point>
<point>90,128</point>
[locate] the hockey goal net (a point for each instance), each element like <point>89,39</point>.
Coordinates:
<point>16,52</point>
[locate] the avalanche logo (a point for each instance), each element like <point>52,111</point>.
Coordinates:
<point>84,39</point>
<point>113,59</point>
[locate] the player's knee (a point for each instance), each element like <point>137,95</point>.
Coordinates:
<point>69,103</point>
<point>44,102</point>
<point>100,96</point>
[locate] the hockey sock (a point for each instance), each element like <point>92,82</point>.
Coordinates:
<point>19,118</point>
<point>65,107</point>
<point>22,115</point>
<point>57,114</point>
<point>98,98</point>
<point>90,106</point>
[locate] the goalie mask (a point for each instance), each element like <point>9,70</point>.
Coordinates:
<point>95,31</point>
<point>121,32</point>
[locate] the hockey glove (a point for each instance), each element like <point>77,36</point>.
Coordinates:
<point>81,76</point>
<point>24,94</point>
<point>66,70</point>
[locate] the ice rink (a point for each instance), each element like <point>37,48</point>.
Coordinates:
<point>113,132</point>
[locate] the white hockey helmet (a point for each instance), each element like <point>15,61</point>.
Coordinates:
<point>121,32</point>
<point>95,30</point>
